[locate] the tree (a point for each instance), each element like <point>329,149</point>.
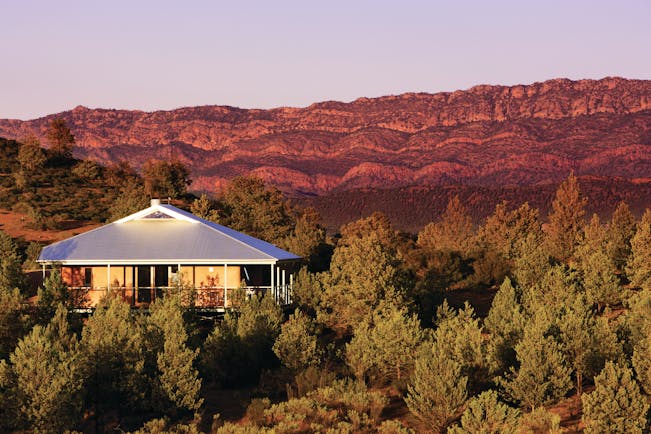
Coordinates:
<point>437,389</point>
<point>565,221</point>
<point>453,232</point>
<point>166,178</point>
<point>505,323</point>
<point>602,286</point>
<point>297,344</point>
<point>638,266</point>
<point>543,376</point>
<point>60,138</point>
<point>307,235</point>
<point>531,263</point>
<point>251,207</point>
<point>48,376</point>
<point>642,359</point>
<point>13,323</point>
<point>11,273</point>
<point>384,345</point>
<point>505,231</point>
<point>113,362</point>
<point>616,404</point>
<point>459,335</point>
<point>204,208</point>
<point>619,234</point>
<point>53,293</point>
<point>177,382</point>
<point>540,420</point>
<point>30,155</point>
<point>132,198</point>
<point>362,275</point>
<point>487,415</point>
<point>586,341</point>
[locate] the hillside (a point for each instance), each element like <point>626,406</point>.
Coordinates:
<point>486,135</point>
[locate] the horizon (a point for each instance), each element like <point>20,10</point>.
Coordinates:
<point>153,56</point>
<point>321,101</point>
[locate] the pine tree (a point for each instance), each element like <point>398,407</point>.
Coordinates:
<point>505,323</point>
<point>113,360</point>
<point>297,344</point>
<point>642,359</point>
<point>619,234</point>
<point>638,266</point>
<point>586,341</point>
<point>616,404</point>
<point>566,219</point>
<point>11,273</point>
<point>48,376</point>
<point>60,138</point>
<point>505,231</point>
<point>384,345</point>
<point>540,421</point>
<point>166,178</point>
<point>437,389</point>
<point>485,414</point>
<point>543,376</point>
<point>177,381</point>
<point>531,263</point>
<point>453,232</point>
<point>13,322</point>
<point>459,335</point>
<point>363,273</point>
<point>53,293</point>
<point>30,155</point>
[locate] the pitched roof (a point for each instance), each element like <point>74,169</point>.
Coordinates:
<point>163,233</point>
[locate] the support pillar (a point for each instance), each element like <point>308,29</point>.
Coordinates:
<point>108,277</point>
<point>225,285</point>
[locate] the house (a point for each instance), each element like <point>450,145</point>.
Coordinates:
<point>163,246</point>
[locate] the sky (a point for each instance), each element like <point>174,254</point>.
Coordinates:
<point>160,55</point>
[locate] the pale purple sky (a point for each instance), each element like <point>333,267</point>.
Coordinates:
<point>157,54</point>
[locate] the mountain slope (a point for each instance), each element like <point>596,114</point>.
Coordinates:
<point>484,136</point>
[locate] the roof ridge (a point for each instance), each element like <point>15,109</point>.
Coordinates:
<point>210,224</point>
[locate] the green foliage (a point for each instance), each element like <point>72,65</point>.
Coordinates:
<point>384,346</point>
<point>204,208</point>
<point>307,290</point>
<point>638,266</point>
<point>459,336</point>
<point>177,382</point>
<point>587,342</point>
<point>87,170</point>
<point>53,293</point>
<point>241,345</point>
<point>437,389</point>
<point>47,375</point>
<point>565,222</point>
<point>13,323</point>
<point>297,344</point>
<point>11,273</point>
<point>642,359</point>
<point>132,198</point>
<point>598,269</point>
<point>540,421</point>
<point>363,274</point>
<point>505,323</point>
<point>307,235</point>
<point>31,156</point>
<point>616,404</point>
<point>543,376</point>
<point>60,138</point>
<point>532,262</point>
<point>619,233</point>
<point>505,231</point>
<point>485,414</point>
<point>112,358</point>
<point>251,207</point>
<point>166,178</point>
<point>453,232</point>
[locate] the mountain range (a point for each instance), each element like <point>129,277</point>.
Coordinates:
<point>486,138</point>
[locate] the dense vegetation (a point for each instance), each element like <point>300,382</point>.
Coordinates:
<point>371,345</point>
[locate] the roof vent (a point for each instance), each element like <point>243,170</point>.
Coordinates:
<point>155,202</point>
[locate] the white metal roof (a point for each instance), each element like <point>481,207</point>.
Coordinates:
<point>163,234</point>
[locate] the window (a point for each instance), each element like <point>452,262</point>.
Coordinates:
<point>88,276</point>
